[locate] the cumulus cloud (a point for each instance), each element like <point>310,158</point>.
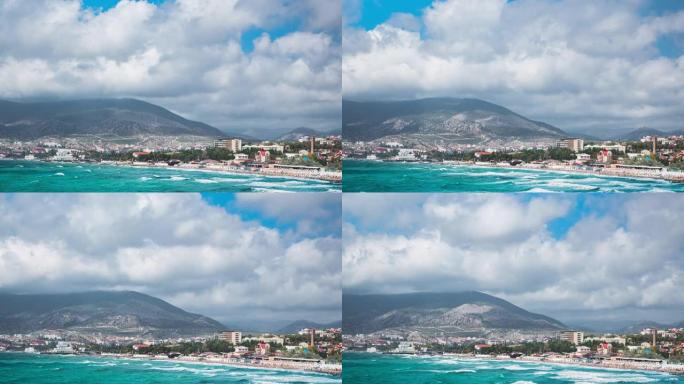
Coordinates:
<point>190,56</point>
<point>617,260</point>
<point>198,256</point>
<point>582,65</point>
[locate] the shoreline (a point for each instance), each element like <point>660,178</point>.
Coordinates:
<point>670,369</point>
<point>622,174</point>
<point>272,365</point>
<point>328,369</point>
<point>333,178</point>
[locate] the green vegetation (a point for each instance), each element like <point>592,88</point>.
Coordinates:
<point>558,346</point>
<point>528,155</point>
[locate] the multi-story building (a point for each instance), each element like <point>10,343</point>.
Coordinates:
<point>573,144</point>
<point>233,337</point>
<point>575,337</point>
<point>604,156</point>
<point>233,145</point>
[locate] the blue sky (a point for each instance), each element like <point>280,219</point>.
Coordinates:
<point>106,4</point>
<point>582,258</point>
<point>197,61</point>
<point>534,57</point>
<point>279,29</point>
<point>290,214</point>
<point>281,254</point>
<point>375,12</point>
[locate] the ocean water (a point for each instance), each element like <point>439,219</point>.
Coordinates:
<point>34,176</point>
<point>375,368</point>
<point>375,176</point>
<point>21,368</point>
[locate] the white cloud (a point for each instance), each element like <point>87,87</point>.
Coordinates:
<point>621,253</point>
<point>582,65</point>
<point>201,257</point>
<point>185,55</point>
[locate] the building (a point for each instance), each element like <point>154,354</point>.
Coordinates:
<point>582,157</point>
<point>573,144</point>
<point>575,337</point>
<point>604,349</point>
<point>312,334</point>
<point>262,349</point>
<point>604,156</point>
<point>262,156</point>
<point>233,145</point>
<point>63,347</point>
<point>271,339</point>
<point>269,147</point>
<point>233,337</point>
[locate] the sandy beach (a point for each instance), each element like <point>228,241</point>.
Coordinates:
<point>331,369</point>
<point>672,176</point>
<point>675,369</point>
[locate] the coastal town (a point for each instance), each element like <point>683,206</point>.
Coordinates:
<point>650,157</point>
<point>650,349</point>
<point>309,349</point>
<point>305,156</point>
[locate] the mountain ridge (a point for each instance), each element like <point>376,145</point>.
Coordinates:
<point>445,120</point>
<point>450,312</point>
<point>301,324</point>
<point>102,311</point>
<point>124,117</point>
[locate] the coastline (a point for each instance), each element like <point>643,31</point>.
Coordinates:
<point>329,369</point>
<point>326,177</point>
<point>670,177</point>
<point>572,362</point>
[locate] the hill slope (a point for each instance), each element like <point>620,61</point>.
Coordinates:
<point>107,312</point>
<point>300,132</point>
<point>637,134</point>
<point>101,117</point>
<point>439,120</point>
<point>451,313</point>
<point>301,324</point>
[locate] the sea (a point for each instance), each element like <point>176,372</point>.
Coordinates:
<point>36,176</point>
<point>376,368</point>
<point>376,176</point>
<point>23,368</point>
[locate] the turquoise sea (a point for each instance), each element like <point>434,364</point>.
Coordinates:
<point>375,176</point>
<point>34,176</point>
<point>21,368</point>
<point>375,368</point>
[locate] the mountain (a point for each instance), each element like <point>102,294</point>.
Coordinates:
<point>300,132</point>
<point>107,312</point>
<point>459,313</point>
<point>440,121</point>
<point>301,324</point>
<point>121,118</point>
<point>641,132</point>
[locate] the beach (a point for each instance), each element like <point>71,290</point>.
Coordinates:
<point>453,369</point>
<point>38,176</point>
<point>377,176</point>
<point>67,369</point>
<point>322,367</point>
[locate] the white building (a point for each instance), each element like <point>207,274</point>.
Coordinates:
<point>233,337</point>
<point>573,144</point>
<point>267,147</point>
<point>233,145</point>
<point>405,347</point>
<point>575,337</point>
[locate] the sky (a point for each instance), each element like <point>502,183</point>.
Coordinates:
<point>252,67</point>
<point>585,66</point>
<point>247,260</point>
<point>595,261</point>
